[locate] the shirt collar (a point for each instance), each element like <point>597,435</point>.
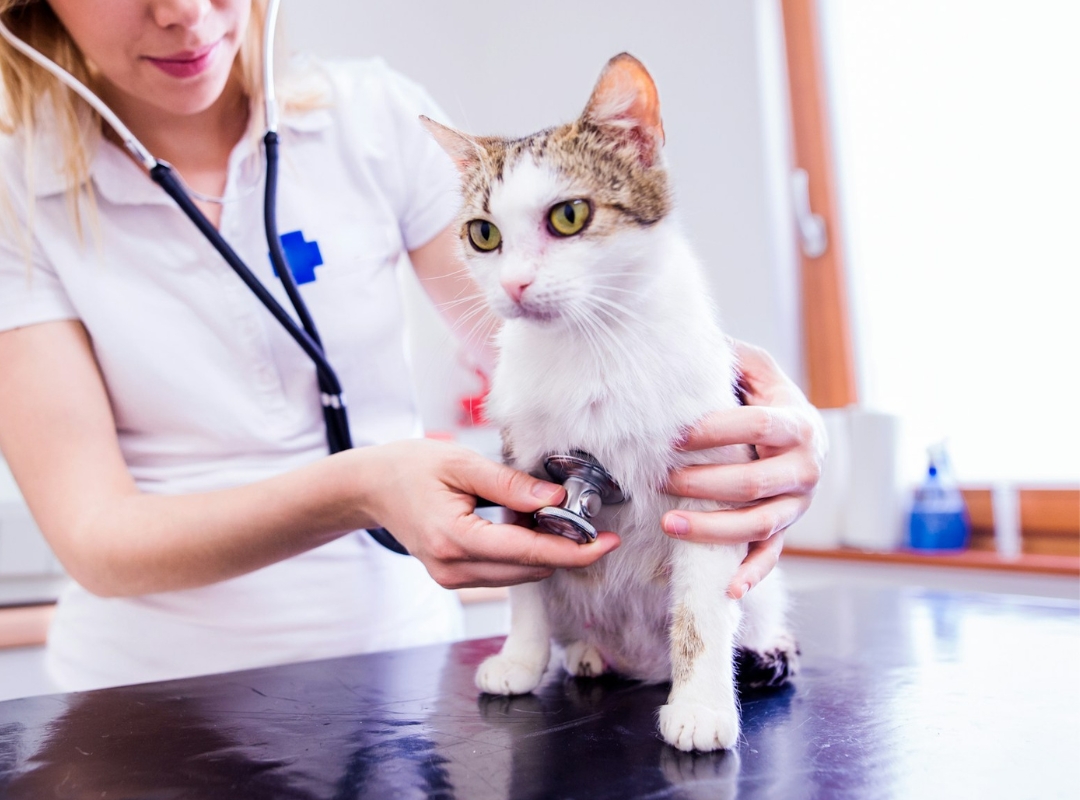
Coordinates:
<point>117,177</point>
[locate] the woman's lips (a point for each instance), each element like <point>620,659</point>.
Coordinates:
<point>186,64</point>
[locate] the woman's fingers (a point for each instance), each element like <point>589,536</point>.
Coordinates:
<point>736,526</point>
<point>481,553</point>
<point>764,426</point>
<point>788,473</point>
<point>505,486</point>
<point>762,380</point>
<point>790,439</point>
<point>759,562</point>
<point>510,544</point>
<point>426,493</point>
<point>480,540</point>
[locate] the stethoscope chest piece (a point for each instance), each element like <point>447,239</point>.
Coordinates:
<point>589,488</point>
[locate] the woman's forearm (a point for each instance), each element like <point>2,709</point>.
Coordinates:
<point>142,543</point>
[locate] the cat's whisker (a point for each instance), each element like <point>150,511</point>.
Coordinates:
<point>463,113</point>
<point>477,298</point>
<point>474,304</point>
<point>609,308</point>
<point>634,297</point>
<point>622,277</point>
<point>608,287</point>
<point>627,274</point>
<point>488,328</point>
<point>457,273</point>
<point>581,329</point>
<point>607,302</point>
<point>465,323</point>
<point>476,333</point>
<point>475,336</point>
<point>475,294</point>
<point>598,340</point>
<point>621,341</point>
<point>604,339</point>
<point>588,328</point>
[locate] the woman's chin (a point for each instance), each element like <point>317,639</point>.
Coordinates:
<point>187,96</point>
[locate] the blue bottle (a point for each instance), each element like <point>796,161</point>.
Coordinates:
<point>939,517</point>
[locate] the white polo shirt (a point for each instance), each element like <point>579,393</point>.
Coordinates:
<point>209,391</point>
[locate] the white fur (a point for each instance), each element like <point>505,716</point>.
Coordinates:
<point>615,349</point>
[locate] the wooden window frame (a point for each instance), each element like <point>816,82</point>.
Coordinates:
<point>1050,518</point>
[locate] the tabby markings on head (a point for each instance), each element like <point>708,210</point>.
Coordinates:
<point>604,160</point>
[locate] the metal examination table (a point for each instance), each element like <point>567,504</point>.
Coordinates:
<point>903,694</point>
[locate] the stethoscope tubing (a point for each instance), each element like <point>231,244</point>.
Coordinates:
<point>337,428</point>
<point>164,176</point>
<point>333,399</point>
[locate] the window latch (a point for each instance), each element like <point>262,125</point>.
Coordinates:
<point>813,238</point>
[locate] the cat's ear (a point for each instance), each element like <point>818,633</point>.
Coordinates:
<point>625,97</point>
<point>459,146</point>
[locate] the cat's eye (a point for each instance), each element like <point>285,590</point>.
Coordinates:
<point>568,218</point>
<point>484,236</point>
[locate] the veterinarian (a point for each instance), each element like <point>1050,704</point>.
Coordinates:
<point>167,433</point>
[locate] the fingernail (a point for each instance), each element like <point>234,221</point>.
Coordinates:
<point>737,591</point>
<point>676,525</point>
<point>547,492</point>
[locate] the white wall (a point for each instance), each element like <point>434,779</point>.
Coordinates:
<point>511,68</point>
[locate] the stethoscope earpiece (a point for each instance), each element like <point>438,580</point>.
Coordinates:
<point>589,487</point>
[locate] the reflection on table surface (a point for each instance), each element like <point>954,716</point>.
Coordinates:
<point>903,694</point>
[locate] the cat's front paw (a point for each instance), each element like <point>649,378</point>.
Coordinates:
<point>689,726</point>
<point>503,674</point>
<point>584,661</point>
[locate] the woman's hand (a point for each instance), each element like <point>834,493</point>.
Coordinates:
<point>789,436</point>
<point>424,492</point>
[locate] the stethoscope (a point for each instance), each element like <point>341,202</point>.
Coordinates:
<point>589,487</point>
<point>588,484</point>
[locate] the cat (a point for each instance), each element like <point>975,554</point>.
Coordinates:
<point>610,345</point>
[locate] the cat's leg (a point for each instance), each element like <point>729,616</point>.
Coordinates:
<point>583,660</point>
<point>767,654</point>
<point>519,666</point>
<point>702,712</point>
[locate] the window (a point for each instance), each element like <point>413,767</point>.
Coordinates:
<point>955,129</point>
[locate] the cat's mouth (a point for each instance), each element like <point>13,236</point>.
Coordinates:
<point>531,312</point>
<point>540,315</point>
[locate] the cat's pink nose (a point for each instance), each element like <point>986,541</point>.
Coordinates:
<point>516,289</point>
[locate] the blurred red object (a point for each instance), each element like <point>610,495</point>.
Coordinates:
<point>472,406</point>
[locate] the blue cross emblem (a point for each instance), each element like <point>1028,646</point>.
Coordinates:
<point>302,256</point>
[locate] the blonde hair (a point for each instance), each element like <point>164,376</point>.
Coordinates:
<point>26,85</point>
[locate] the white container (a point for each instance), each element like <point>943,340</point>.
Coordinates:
<point>1005,500</point>
<point>875,505</point>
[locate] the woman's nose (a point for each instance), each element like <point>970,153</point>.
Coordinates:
<point>184,13</point>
